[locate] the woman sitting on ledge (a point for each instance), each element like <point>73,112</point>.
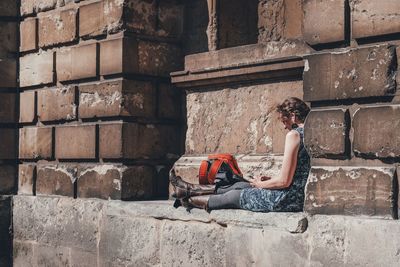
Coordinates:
<point>281,193</point>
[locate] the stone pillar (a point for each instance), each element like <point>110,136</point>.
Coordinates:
<point>352,131</point>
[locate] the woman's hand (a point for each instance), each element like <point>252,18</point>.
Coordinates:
<point>258,181</point>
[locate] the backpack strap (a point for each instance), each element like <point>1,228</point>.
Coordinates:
<point>203,179</point>
<point>213,170</point>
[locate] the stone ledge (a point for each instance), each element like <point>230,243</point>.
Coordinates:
<point>60,231</point>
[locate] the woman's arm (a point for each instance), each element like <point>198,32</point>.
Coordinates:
<point>292,143</point>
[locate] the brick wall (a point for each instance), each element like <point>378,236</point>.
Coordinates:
<point>98,115</point>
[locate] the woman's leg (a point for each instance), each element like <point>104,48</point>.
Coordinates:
<point>228,200</point>
<point>235,186</point>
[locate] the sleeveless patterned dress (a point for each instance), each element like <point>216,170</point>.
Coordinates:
<point>289,199</point>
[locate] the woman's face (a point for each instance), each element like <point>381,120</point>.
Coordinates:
<point>287,121</point>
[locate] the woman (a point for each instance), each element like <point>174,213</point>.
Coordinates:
<point>284,192</point>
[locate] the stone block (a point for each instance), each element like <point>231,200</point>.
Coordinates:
<point>216,120</point>
<point>370,18</point>
<point>117,98</point>
<point>56,179</point>
<point>324,21</point>
<point>27,110</point>
<point>26,179</point>
<point>263,247</point>
<point>126,55</point>
<point>351,191</point>
<point>8,179</point>
<point>159,58</point>
<point>101,17</point>
<point>9,8</point>
<point>111,181</point>
<point>81,258</point>
<point>358,73</point>
<point>77,62</point>
<point>293,15</point>
<point>141,16</point>
<point>8,107</point>
<point>34,6</point>
<point>169,19</point>
<point>178,246</point>
<point>28,35</point>
<point>170,101</point>
<point>8,72</point>
<point>57,104</point>
<point>323,126</point>
<point>381,139</point>
<point>23,255</point>
<point>76,142</point>
<point>45,255</point>
<point>120,231</point>
<point>35,142</point>
<point>9,39</point>
<point>133,141</point>
<point>57,27</point>
<point>8,145</point>
<point>37,69</point>
<point>118,56</point>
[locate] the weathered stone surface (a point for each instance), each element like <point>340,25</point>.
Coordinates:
<point>141,16</point>
<point>57,104</point>
<point>382,138</point>
<point>8,107</point>
<point>26,179</point>
<point>369,18</point>
<point>8,72</point>
<point>8,145</point>
<point>36,69</point>
<point>23,255</point>
<point>27,106</point>
<point>159,58</point>
<point>363,72</point>
<point>76,142</point>
<point>6,237</point>
<point>57,27</point>
<point>56,179</point>
<point>324,21</point>
<point>9,39</point>
<point>178,246</point>
<point>279,20</point>
<point>323,126</point>
<point>28,35</point>
<point>126,55</point>
<point>218,119</point>
<point>8,179</point>
<point>35,6</point>
<point>351,191</point>
<point>116,182</point>
<point>9,8</point>
<point>117,98</point>
<point>170,16</point>
<point>120,231</point>
<point>170,101</point>
<point>262,247</point>
<point>77,62</point>
<point>237,25</point>
<point>101,17</point>
<point>35,142</point>
<point>133,140</point>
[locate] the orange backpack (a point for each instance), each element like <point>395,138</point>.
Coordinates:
<point>218,163</point>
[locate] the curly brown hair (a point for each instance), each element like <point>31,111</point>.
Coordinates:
<point>294,105</point>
